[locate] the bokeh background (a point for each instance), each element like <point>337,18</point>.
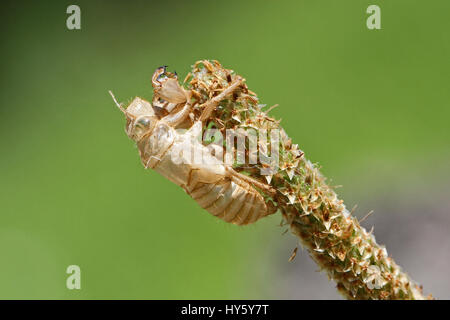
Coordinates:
<point>371,106</point>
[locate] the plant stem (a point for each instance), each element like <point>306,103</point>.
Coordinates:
<point>334,238</point>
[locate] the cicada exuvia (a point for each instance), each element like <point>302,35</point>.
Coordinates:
<point>213,184</point>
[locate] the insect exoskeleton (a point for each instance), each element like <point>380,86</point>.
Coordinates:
<point>215,186</point>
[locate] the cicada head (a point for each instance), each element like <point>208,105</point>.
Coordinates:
<point>141,119</point>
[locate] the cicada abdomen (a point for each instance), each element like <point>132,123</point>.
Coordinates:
<point>231,200</point>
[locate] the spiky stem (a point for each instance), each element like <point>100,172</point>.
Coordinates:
<point>334,238</point>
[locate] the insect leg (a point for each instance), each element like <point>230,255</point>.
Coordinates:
<point>175,118</point>
<point>155,78</point>
<point>168,88</point>
<point>251,181</point>
<point>209,106</point>
<point>191,180</point>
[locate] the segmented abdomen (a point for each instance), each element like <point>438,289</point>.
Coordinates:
<point>233,201</point>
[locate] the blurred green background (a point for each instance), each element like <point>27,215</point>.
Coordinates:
<point>371,106</point>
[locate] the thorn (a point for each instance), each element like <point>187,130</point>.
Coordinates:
<point>187,77</point>
<point>366,216</point>
<point>291,198</point>
<point>294,253</point>
<point>290,173</point>
<point>271,108</point>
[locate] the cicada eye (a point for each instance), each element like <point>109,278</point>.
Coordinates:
<point>140,127</point>
<point>143,122</point>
